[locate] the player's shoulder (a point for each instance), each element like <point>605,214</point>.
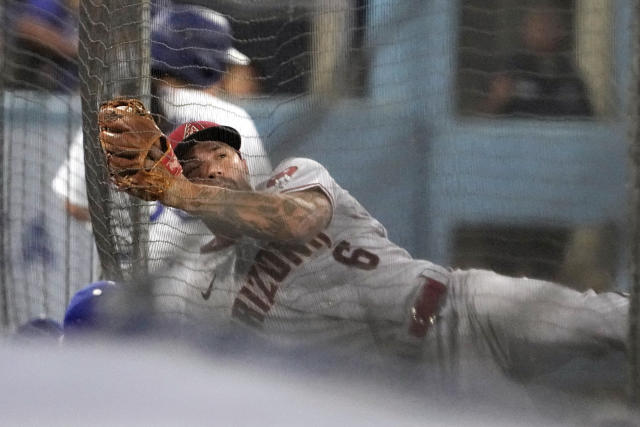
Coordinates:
<point>298,165</point>
<point>295,171</point>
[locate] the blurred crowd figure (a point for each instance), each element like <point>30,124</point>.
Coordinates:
<point>542,79</point>
<point>44,49</point>
<point>590,258</point>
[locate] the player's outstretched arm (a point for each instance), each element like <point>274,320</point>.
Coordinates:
<point>294,217</point>
<point>142,163</point>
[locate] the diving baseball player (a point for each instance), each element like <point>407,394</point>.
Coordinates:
<point>305,261</point>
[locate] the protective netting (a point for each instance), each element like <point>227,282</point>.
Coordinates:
<point>485,134</point>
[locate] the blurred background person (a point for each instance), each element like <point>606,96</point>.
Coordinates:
<point>69,182</point>
<point>590,258</point>
<point>542,79</point>
<point>192,53</point>
<point>45,45</point>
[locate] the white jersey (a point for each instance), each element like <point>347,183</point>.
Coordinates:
<point>69,184</point>
<point>69,181</point>
<point>349,284</point>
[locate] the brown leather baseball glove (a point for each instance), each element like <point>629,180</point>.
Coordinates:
<point>139,157</point>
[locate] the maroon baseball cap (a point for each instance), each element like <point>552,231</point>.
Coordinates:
<point>192,132</point>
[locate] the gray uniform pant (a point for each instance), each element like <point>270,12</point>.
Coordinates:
<point>522,326</point>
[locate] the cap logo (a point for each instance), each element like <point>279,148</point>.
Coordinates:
<point>190,129</point>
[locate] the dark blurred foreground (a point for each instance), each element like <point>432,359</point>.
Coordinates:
<point>138,369</point>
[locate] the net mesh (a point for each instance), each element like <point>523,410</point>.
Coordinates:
<point>485,134</point>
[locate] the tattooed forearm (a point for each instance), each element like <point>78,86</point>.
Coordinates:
<point>294,217</point>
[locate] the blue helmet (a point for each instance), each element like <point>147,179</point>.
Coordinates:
<point>83,312</point>
<point>192,43</point>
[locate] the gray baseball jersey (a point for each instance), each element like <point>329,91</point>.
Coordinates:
<point>348,282</point>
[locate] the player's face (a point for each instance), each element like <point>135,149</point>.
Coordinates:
<point>217,164</point>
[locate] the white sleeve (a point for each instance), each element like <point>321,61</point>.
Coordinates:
<point>69,181</point>
<point>297,174</point>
